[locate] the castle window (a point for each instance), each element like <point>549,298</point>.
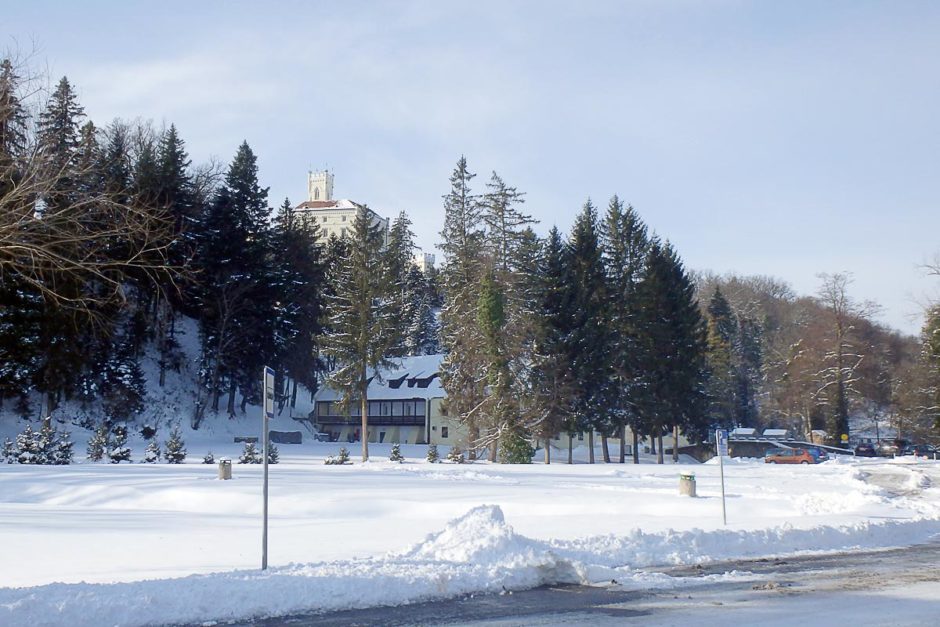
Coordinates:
<point>316,194</point>
<point>444,433</point>
<point>324,218</point>
<point>344,218</point>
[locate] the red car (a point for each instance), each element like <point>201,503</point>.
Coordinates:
<point>789,456</point>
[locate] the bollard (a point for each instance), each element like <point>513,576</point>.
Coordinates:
<point>225,468</point>
<point>687,484</point>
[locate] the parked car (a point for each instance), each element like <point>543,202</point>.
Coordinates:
<point>789,456</point>
<point>865,449</point>
<point>918,450</point>
<point>821,454</point>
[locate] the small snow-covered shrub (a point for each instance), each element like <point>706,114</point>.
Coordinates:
<point>339,460</point>
<point>27,446</point>
<point>273,456</point>
<point>455,455</point>
<point>433,456</point>
<point>396,455</point>
<point>98,444</point>
<point>250,454</point>
<point>119,451</point>
<point>209,458</point>
<point>62,454</point>
<point>515,449</point>
<point>175,447</point>
<point>8,454</point>
<point>152,454</point>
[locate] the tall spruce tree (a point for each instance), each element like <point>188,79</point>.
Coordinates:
<point>464,369</point>
<point>589,339</point>
<point>625,244</point>
<point>551,381</point>
<point>298,306</point>
<point>399,255</point>
<point>235,286</point>
<point>673,346</point>
<point>360,318</point>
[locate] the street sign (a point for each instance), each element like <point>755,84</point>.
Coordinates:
<point>269,392</point>
<point>267,412</point>
<point>845,438</point>
<point>721,440</point>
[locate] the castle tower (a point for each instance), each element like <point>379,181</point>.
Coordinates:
<point>320,185</point>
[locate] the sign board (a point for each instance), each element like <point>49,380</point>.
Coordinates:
<point>845,438</point>
<point>269,392</point>
<point>721,441</point>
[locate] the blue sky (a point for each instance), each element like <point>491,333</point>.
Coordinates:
<point>777,138</point>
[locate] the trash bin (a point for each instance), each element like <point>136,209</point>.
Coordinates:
<point>225,468</point>
<point>687,484</point>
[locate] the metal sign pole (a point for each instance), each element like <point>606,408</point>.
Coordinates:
<point>721,441</point>
<point>267,410</point>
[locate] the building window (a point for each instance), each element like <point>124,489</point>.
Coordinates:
<point>344,218</point>
<point>344,233</point>
<point>324,218</point>
<point>316,193</point>
<point>444,432</point>
<point>581,435</point>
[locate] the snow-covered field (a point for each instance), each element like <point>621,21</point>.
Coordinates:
<point>137,544</point>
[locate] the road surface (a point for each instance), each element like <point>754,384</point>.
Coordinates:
<point>891,587</point>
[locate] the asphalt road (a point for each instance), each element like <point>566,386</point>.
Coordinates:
<point>828,586</point>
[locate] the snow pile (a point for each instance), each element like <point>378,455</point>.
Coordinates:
<point>478,552</point>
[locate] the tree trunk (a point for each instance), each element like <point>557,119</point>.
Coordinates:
<point>232,388</point>
<point>623,444</point>
<point>493,450</point>
<point>473,437</point>
<point>636,447</point>
<point>591,445</point>
<point>548,450</point>
<point>364,410</point>
<point>604,448</point>
<point>659,448</point>
<point>675,444</point>
<point>570,447</point>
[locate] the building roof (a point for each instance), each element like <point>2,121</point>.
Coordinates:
<point>409,377</point>
<point>343,203</point>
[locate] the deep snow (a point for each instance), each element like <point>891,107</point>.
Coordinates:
<point>159,543</point>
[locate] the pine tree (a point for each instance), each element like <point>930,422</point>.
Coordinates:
<point>208,458</point>
<point>63,454</point>
<point>463,369</point>
<point>152,453</point>
<point>299,280</point>
<point>589,339</point>
<point>551,382</point>
<point>673,347</point>
<point>123,385</point>
<point>45,446</point>
<point>273,455</point>
<point>98,444</point>
<point>236,290</point>
<point>27,446</point>
<point>250,454</point>
<point>515,448</point>
<point>8,453</point>
<point>360,319</point>
<point>433,456</point>
<point>396,455</point>
<point>175,448</point>
<point>119,451</point>
<point>399,260</point>
<point>625,244</point>
<point>455,455</point>
<point>722,332</point>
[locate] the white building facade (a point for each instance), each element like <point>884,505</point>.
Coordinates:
<point>334,217</point>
